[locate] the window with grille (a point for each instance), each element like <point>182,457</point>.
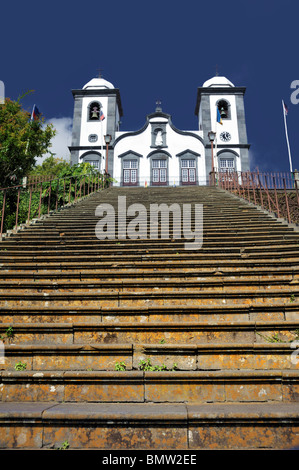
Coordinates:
<point>188,168</point>
<point>94,163</point>
<point>159,171</point>
<point>227,164</point>
<point>130,168</point>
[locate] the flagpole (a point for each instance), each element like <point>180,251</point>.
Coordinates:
<point>102,146</point>
<point>287,138</point>
<point>31,118</point>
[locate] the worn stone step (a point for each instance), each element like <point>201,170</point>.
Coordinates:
<point>66,356</point>
<point>157,386</point>
<point>155,297</point>
<point>271,274</point>
<point>216,356</point>
<point>225,234</point>
<point>91,245</point>
<point>103,356</point>
<point>218,267</point>
<point>136,314</point>
<point>67,241</point>
<point>150,332</point>
<point>149,426</point>
<point>122,255</point>
<point>142,285</point>
<point>84,254</point>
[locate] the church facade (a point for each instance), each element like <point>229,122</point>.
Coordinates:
<point>159,154</point>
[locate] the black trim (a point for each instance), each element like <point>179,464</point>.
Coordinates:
<point>147,123</point>
<point>216,91</point>
<point>234,146</point>
<point>97,92</point>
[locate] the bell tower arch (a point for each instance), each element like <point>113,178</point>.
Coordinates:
<point>220,108</point>
<point>97,113</point>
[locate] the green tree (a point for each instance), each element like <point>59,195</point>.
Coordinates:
<point>21,142</point>
<point>51,166</point>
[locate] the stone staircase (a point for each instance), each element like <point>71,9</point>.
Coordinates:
<point>142,344</point>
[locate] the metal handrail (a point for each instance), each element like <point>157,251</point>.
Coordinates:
<point>275,192</point>
<point>83,185</point>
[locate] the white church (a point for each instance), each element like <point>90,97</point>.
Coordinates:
<point>159,154</point>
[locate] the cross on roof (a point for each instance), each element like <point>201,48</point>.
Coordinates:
<point>158,107</point>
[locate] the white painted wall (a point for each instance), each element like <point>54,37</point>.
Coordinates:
<point>93,127</point>
<point>141,144</point>
<point>229,125</point>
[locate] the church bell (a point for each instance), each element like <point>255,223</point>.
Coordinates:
<point>94,114</point>
<point>223,113</point>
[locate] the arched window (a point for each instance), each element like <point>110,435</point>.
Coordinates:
<point>94,158</point>
<point>130,164</point>
<point>94,111</point>
<point>188,167</point>
<point>224,109</point>
<point>227,161</point>
<point>159,168</point>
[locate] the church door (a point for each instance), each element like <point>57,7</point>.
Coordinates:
<point>188,172</point>
<point>130,168</point>
<point>159,172</point>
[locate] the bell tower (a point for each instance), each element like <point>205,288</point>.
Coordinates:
<point>220,109</point>
<point>97,113</point>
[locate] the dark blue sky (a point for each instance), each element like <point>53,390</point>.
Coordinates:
<point>162,50</point>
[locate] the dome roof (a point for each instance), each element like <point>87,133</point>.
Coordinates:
<point>218,82</point>
<point>96,83</point>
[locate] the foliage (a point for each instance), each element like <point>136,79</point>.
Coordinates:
<point>8,334</point>
<point>21,142</point>
<point>147,366</point>
<point>120,366</point>
<point>64,446</point>
<point>20,365</point>
<point>71,182</point>
<point>51,166</point>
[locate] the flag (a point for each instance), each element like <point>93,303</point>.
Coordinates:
<point>219,119</point>
<point>102,116</point>
<point>35,113</point>
<point>285,108</point>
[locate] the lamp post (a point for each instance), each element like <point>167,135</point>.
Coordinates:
<point>212,136</point>
<point>107,141</point>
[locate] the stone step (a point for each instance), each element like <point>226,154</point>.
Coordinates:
<point>143,285</point>
<point>70,253</point>
<point>156,297</point>
<point>98,314</point>
<point>222,232</point>
<point>273,275</point>
<point>89,228</point>
<point>151,261</point>
<point>24,246</point>
<point>149,426</point>
<point>103,356</point>
<point>151,386</point>
<point>207,337</point>
<point>46,233</point>
<point>174,332</point>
